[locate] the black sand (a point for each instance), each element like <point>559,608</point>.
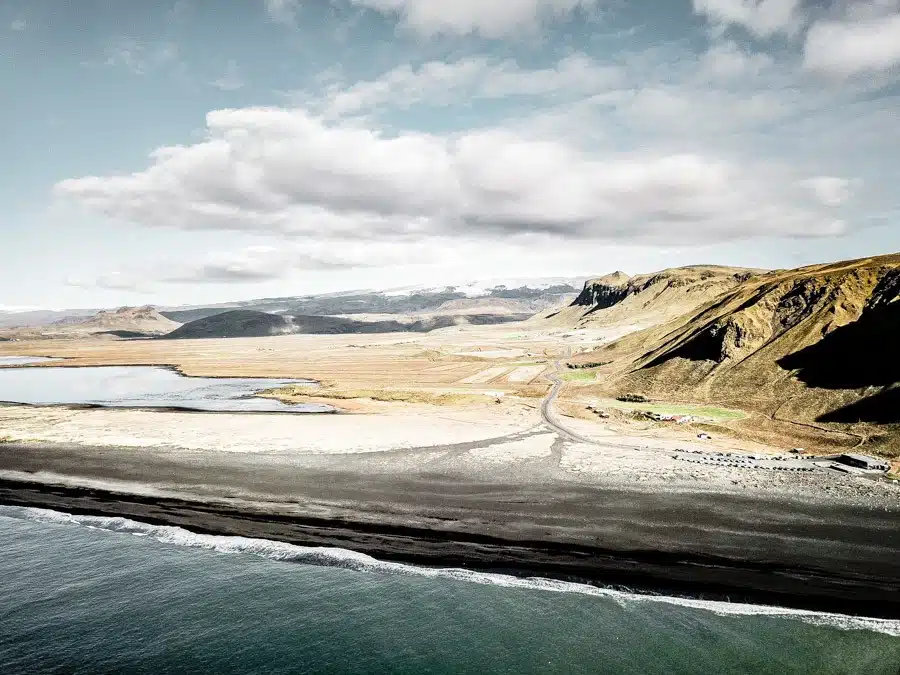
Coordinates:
<point>749,549</point>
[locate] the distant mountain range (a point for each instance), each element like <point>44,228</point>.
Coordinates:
<point>415,309</point>
<point>530,297</point>
<point>250,323</point>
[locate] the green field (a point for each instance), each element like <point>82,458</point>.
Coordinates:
<point>579,376</point>
<point>700,411</point>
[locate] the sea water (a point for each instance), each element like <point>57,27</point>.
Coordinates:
<point>143,387</point>
<point>81,594</point>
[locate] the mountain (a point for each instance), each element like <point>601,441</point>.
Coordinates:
<point>471,299</point>
<point>126,320</point>
<point>250,323</point>
<point>122,322</point>
<point>812,351</point>
<point>503,306</point>
<point>646,300</point>
<point>511,288</point>
<point>517,296</point>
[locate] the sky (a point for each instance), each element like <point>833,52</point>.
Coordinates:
<point>194,151</point>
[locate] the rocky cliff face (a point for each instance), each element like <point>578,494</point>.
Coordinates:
<point>764,310</point>
<point>812,345</point>
<point>604,292</point>
<point>662,294</point>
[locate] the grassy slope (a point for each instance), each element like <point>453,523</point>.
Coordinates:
<point>758,324</point>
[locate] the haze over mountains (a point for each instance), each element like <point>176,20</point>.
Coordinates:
<point>397,310</point>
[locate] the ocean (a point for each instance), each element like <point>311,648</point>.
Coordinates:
<point>108,595</point>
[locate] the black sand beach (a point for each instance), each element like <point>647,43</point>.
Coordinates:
<point>802,554</point>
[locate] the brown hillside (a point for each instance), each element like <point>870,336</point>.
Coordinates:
<point>144,320</point>
<point>814,347</point>
<point>649,299</point>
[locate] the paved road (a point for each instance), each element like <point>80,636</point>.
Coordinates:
<point>551,420</point>
<point>547,408</point>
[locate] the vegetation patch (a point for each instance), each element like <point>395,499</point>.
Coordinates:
<point>579,376</point>
<point>588,364</point>
<point>698,411</point>
<point>533,391</point>
<point>292,394</point>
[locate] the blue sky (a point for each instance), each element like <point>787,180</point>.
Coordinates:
<point>195,151</point>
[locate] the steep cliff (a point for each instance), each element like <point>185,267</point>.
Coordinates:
<point>815,345</point>
<point>649,299</point>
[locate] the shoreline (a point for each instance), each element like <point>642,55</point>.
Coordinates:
<point>729,565</point>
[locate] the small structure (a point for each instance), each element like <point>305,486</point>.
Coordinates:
<point>864,462</point>
<point>704,437</point>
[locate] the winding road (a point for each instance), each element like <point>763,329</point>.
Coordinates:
<point>547,407</point>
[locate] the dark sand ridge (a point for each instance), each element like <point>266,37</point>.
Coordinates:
<point>528,519</point>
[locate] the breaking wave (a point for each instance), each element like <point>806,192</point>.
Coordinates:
<point>342,558</point>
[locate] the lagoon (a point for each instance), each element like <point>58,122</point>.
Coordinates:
<point>144,387</point>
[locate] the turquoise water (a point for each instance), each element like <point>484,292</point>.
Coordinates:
<point>92,595</point>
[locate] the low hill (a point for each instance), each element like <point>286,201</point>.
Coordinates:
<point>232,324</point>
<point>130,319</point>
<point>813,349</point>
<point>125,321</point>
<point>249,323</point>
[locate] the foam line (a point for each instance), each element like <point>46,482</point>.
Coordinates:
<point>338,557</point>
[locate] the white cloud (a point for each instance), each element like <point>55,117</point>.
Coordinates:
<point>270,170</point>
<point>830,190</point>
<point>270,262</point>
<point>762,18</point>
<point>257,264</point>
<point>726,60</point>
<point>231,79</point>
<point>18,25</point>
<point>439,82</point>
<point>850,47</point>
<point>490,19</point>
<point>18,309</point>
<point>112,281</point>
<point>137,57</point>
<point>283,11</point>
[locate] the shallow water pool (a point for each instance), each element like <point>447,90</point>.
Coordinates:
<point>144,387</point>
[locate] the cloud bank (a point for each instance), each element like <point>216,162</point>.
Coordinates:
<point>271,170</point>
